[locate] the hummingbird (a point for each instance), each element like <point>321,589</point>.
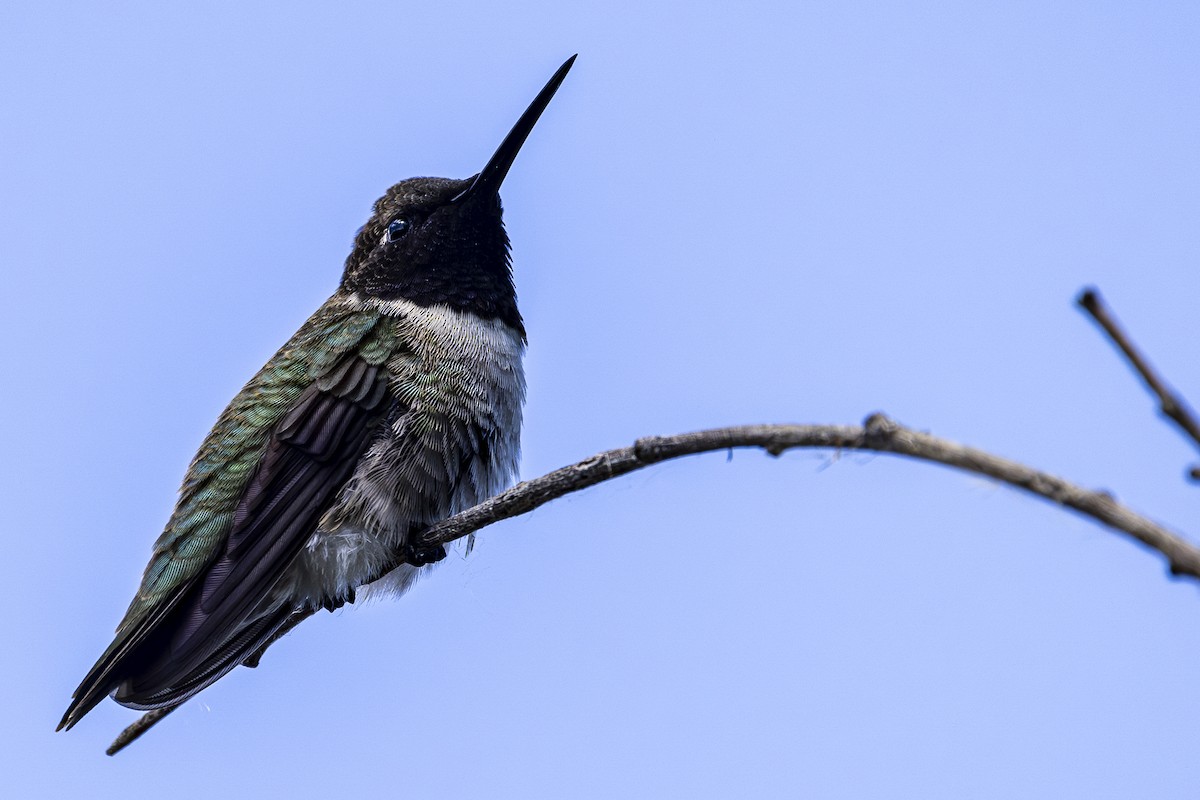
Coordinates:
<point>397,404</point>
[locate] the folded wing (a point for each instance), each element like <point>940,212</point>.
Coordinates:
<point>212,623</point>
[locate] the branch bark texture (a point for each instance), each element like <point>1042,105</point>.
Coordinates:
<point>878,434</point>
<point>1170,404</point>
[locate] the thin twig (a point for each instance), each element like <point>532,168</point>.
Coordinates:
<point>878,434</point>
<point>1171,405</point>
<point>143,724</point>
<point>152,718</point>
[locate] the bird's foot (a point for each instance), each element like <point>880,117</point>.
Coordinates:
<point>334,603</point>
<point>420,555</point>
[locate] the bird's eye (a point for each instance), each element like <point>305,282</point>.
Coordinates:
<point>396,228</point>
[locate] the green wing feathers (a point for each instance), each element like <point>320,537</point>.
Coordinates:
<point>217,481</point>
<point>218,475</point>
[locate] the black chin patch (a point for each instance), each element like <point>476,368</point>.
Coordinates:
<point>450,253</point>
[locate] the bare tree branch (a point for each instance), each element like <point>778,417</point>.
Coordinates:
<point>144,723</point>
<point>878,434</point>
<point>1171,405</point>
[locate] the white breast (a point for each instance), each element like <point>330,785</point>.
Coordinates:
<point>453,442</point>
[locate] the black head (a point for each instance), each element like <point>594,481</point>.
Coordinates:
<point>421,246</point>
<point>441,241</point>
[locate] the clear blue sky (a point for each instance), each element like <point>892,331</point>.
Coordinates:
<point>798,212</point>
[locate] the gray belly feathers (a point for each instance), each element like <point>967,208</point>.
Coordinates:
<point>450,440</point>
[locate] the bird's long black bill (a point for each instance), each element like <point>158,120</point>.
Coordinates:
<point>489,179</point>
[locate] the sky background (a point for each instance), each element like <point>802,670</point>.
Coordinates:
<point>761,212</point>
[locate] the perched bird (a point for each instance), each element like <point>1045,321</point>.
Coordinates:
<point>397,404</point>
